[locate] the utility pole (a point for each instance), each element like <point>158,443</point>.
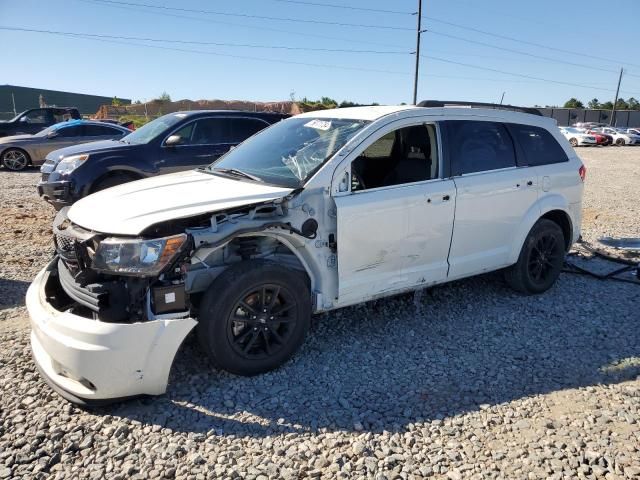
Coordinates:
<point>502,98</point>
<point>613,110</point>
<point>13,99</point>
<point>419,32</point>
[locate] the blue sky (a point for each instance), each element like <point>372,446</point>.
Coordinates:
<point>129,69</point>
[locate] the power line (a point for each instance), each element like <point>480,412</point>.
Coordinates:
<point>559,82</point>
<point>344,7</point>
<point>246,15</point>
<point>194,42</point>
<point>525,42</point>
<point>252,27</point>
<point>520,52</point>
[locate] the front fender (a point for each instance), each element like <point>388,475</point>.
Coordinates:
<point>536,211</point>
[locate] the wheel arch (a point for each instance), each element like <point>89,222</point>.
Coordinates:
<point>112,172</point>
<point>11,147</point>
<point>553,207</point>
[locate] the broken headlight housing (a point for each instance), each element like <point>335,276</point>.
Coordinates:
<point>137,257</point>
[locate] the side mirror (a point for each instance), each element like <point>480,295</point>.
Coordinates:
<point>52,134</point>
<point>173,140</point>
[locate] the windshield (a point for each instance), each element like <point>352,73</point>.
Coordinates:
<point>151,130</point>
<point>572,130</point>
<point>289,152</point>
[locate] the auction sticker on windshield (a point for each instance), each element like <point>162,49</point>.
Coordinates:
<point>319,124</point>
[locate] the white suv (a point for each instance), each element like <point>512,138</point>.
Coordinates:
<point>320,211</point>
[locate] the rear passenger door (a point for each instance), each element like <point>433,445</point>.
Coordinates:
<point>493,195</point>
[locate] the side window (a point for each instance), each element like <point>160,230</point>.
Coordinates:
<point>477,146</point>
<point>210,131</point>
<point>185,133</point>
<point>405,155</point>
<point>36,117</point>
<point>243,128</point>
<point>538,145</point>
<point>100,131</point>
<point>68,132</point>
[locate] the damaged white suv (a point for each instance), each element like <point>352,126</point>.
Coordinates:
<point>317,212</point>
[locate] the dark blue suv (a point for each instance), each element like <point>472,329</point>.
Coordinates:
<point>174,142</point>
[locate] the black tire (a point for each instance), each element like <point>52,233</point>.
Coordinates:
<point>573,142</point>
<point>540,261</point>
<point>113,180</point>
<point>15,159</point>
<point>242,337</point>
<point>620,142</point>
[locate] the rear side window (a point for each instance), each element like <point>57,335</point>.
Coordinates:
<point>101,130</point>
<point>538,146</point>
<point>72,131</point>
<point>243,128</point>
<point>210,131</point>
<point>479,146</point>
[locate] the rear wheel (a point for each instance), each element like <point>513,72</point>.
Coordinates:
<point>112,180</point>
<point>254,317</point>
<point>574,142</point>
<point>540,260</point>
<point>15,159</point>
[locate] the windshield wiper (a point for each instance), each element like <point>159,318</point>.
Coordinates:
<point>238,173</point>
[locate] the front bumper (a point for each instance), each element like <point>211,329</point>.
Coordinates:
<point>57,194</point>
<point>92,362</point>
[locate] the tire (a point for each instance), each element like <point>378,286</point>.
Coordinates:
<point>620,142</point>
<point>540,261</point>
<point>242,337</point>
<point>573,142</point>
<point>15,159</point>
<point>112,180</point>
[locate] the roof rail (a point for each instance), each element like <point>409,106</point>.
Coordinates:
<point>497,106</point>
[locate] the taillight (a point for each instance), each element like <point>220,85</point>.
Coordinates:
<point>582,172</point>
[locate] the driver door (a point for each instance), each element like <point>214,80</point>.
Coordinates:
<point>395,220</point>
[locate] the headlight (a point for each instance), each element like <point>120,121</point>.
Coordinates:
<point>141,258</point>
<point>69,164</point>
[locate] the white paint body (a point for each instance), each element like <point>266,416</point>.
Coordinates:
<point>389,239</point>
<point>583,139</point>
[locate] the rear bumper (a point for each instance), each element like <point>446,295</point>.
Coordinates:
<point>92,362</point>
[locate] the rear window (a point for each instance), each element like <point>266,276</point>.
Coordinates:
<point>477,146</point>
<point>539,147</point>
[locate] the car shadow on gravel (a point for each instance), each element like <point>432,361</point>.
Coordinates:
<point>12,292</point>
<point>388,364</point>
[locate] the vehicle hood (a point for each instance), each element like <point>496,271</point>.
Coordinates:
<point>101,146</point>
<point>16,138</point>
<point>130,208</point>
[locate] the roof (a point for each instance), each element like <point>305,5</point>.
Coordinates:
<point>227,112</point>
<point>358,113</point>
<point>375,112</point>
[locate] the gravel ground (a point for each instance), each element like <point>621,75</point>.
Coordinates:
<point>467,380</point>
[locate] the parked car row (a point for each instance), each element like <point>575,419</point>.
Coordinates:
<point>316,212</point>
<point>600,135</point>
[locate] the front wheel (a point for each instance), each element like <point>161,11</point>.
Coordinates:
<point>254,317</point>
<point>574,142</point>
<point>15,159</point>
<point>540,261</point>
<point>620,142</point>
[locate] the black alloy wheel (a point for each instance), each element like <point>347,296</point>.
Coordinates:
<point>541,259</point>
<point>254,316</point>
<point>261,323</point>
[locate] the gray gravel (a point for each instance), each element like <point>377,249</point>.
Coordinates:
<point>467,380</point>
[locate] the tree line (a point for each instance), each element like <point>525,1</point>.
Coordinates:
<point>621,104</point>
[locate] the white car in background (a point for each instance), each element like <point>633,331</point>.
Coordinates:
<point>620,136</point>
<point>577,137</point>
<point>633,131</point>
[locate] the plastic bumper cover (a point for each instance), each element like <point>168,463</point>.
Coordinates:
<point>92,362</point>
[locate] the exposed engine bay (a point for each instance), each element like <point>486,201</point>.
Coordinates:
<point>162,273</point>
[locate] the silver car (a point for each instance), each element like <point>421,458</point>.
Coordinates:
<point>19,151</point>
